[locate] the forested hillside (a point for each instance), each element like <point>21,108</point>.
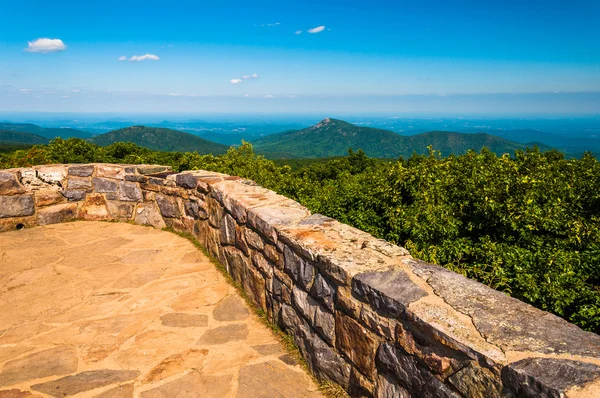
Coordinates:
<point>160,139</point>
<point>527,224</point>
<point>333,137</point>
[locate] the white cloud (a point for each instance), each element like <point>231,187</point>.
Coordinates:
<point>271,24</point>
<point>236,81</point>
<point>45,45</point>
<point>246,95</point>
<point>25,90</point>
<point>252,76</point>
<point>66,96</point>
<point>145,57</point>
<point>122,58</point>
<point>76,90</point>
<point>269,96</point>
<point>298,32</point>
<point>318,29</point>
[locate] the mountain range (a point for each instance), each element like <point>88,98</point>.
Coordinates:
<point>329,138</point>
<point>333,137</point>
<point>160,139</point>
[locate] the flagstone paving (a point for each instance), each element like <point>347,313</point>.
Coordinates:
<point>91,309</point>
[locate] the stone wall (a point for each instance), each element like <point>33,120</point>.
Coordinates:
<point>363,312</point>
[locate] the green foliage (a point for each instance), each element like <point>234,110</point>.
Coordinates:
<point>528,225</point>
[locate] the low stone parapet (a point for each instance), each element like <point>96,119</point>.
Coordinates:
<point>363,312</point>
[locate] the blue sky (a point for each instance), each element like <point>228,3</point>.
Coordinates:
<point>363,56</point>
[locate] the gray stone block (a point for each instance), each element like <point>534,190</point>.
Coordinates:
<point>16,206</point>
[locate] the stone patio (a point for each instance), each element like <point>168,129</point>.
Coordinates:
<point>92,309</point>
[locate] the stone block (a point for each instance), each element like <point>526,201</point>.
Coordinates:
<point>168,206</point>
<point>152,169</point>
<point>186,180</point>
<point>228,227</point>
<point>74,195</point>
<point>416,379</point>
<point>103,185</point>
<point>323,291</point>
<point>57,213</point>
<point>85,170</point>
<point>301,271</point>
<point>110,171</point>
<point>548,377</point>
<point>318,317</point>
<point>120,210</point>
<point>191,209</point>
<point>477,382</point>
<point>387,291</point>
<point>389,387</point>
<point>357,343</point>
<point>94,208</point>
<point>16,206</point>
<point>254,285</point>
<point>136,178</point>
<point>323,361</point>
<point>9,184</point>
<point>129,191</point>
<point>253,239</point>
<point>79,183</point>
<point>48,197</point>
<point>147,213</point>
<point>54,175</point>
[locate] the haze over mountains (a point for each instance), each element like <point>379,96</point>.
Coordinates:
<point>330,137</point>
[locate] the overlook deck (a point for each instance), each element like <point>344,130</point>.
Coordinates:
<point>93,309</point>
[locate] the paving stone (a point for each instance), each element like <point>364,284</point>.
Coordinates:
<point>193,385</point>
<point>268,349</point>
<point>231,308</point>
<point>179,363</point>
<point>124,391</point>
<point>16,206</point>
<point>224,334</point>
<point>84,381</point>
<point>16,393</point>
<point>181,320</point>
<point>53,362</point>
<point>272,379</point>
